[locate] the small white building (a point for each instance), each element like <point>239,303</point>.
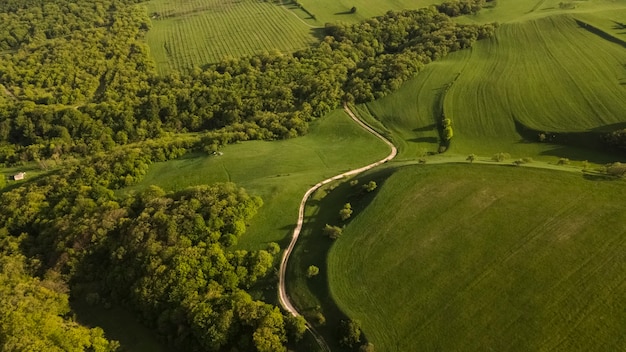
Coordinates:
<point>19,176</point>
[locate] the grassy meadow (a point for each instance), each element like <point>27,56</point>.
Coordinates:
<point>279,172</point>
<point>545,74</point>
<point>475,257</point>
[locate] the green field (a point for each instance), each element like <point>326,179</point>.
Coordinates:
<point>279,171</point>
<point>549,74</point>
<point>474,258</point>
<point>193,33</point>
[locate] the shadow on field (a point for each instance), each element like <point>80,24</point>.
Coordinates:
<point>425,128</point>
<point>432,140</point>
<point>589,145</point>
<point>318,33</point>
<point>312,296</point>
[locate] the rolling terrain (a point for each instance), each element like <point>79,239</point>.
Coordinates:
<point>548,74</point>
<point>474,257</point>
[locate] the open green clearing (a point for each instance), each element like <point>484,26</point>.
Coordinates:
<point>473,257</point>
<point>279,171</point>
<point>549,74</point>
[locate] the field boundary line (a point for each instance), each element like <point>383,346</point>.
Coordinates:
<point>283,297</point>
<point>282,5</point>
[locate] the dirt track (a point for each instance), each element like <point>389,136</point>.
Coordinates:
<point>282,292</point>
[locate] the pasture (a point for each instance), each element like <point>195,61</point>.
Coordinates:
<point>278,171</point>
<point>477,257</point>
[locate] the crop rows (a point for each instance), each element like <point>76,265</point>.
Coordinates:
<point>548,74</point>
<point>200,32</point>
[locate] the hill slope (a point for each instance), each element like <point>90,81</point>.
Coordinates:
<point>474,258</point>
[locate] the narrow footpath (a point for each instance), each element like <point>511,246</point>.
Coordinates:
<point>285,302</point>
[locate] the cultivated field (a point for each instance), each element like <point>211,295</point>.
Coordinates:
<point>193,33</point>
<point>549,74</point>
<point>279,171</point>
<point>475,257</point>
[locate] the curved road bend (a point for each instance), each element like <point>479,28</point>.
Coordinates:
<point>285,302</point>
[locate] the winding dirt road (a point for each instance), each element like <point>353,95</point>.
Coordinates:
<point>282,292</point>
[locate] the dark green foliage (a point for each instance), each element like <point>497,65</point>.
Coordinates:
<point>461,7</point>
<point>345,212</point>
<point>350,333</point>
<point>616,138</point>
<point>369,187</point>
<point>33,312</point>
<point>79,79</point>
<point>333,232</point>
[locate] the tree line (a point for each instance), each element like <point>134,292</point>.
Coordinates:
<point>93,85</point>
<point>78,90</point>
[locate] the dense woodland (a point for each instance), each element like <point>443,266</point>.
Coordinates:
<point>80,96</point>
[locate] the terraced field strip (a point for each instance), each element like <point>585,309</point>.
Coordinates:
<point>473,258</point>
<point>199,32</point>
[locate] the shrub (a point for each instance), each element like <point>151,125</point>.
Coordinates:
<point>499,157</point>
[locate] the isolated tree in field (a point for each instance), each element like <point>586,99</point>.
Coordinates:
<point>312,271</point>
<point>500,157</point>
<point>471,158</point>
<point>350,332</point>
<point>333,232</point>
<point>370,186</point>
<point>353,9</point>
<point>345,212</point>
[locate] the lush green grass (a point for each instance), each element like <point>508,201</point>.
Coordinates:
<point>279,172</point>
<point>193,33</point>
<point>475,257</point>
<point>549,74</point>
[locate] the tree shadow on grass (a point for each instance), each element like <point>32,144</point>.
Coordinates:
<point>588,145</point>
<point>313,248</point>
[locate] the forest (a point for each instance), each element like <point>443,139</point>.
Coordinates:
<point>79,95</point>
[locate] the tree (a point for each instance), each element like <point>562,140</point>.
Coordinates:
<point>448,133</point>
<point>471,158</point>
<point>500,157</point>
<point>333,232</point>
<point>350,332</point>
<point>353,9</point>
<point>345,212</point>
<point>295,327</point>
<point>370,186</point>
<point>312,271</point>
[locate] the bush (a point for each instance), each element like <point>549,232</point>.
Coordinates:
<point>312,271</point>
<point>499,157</point>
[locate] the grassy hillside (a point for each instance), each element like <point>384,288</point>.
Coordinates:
<point>475,257</point>
<point>279,171</point>
<point>548,74</point>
